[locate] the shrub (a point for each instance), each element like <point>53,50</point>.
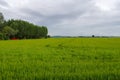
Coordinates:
<point>1,36</point>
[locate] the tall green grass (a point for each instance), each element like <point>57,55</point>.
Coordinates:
<point>60,59</point>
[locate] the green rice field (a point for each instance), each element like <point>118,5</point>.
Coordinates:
<point>60,59</point>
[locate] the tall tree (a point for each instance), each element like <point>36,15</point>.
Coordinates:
<point>1,21</point>
<point>1,18</point>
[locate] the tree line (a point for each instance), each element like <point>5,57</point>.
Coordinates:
<point>19,29</point>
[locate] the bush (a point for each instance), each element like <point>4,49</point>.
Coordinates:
<point>1,36</point>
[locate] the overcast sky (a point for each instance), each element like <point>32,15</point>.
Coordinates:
<point>67,17</point>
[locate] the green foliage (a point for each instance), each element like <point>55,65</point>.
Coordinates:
<point>1,18</point>
<point>8,31</point>
<point>27,30</point>
<point>1,36</point>
<point>60,59</point>
<point>22,29</point>
<point>1,21</point>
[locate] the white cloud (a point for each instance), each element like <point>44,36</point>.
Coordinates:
<point>16,4</point>
<point>106,5</point>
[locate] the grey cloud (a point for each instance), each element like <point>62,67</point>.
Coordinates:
<point>58,18</point>
<point>69,11</point>
<point>4,3</point>
<point>30,12</point>
<point>69,17</point>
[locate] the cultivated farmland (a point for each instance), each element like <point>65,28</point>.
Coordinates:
<point>60,59</point>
